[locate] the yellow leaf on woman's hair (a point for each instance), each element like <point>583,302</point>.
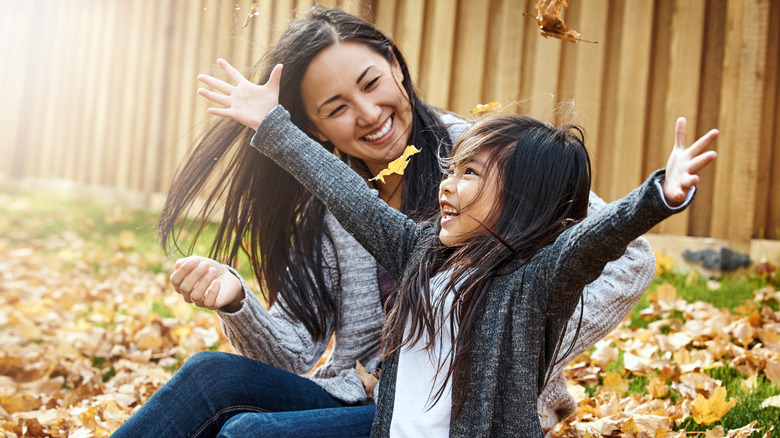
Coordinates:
<point>398,165</point>
<point>709,410</point>
<point>481,108</point>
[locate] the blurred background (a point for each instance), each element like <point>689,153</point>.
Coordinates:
<point>99,96</point>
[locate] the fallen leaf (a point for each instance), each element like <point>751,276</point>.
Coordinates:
<point>709,410</point>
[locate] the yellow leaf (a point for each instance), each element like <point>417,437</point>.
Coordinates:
<point>398,165</point>
<point>630,427</point>
<point>481,108</point>
<point>614,382</point>
<point>709,410</point>
<point>663,263</point>
<point>657,388</point>
<point>19,403</point>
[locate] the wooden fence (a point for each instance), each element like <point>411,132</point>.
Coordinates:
<point>102,92</point>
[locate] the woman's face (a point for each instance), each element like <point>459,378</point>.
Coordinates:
<point>354,99</point>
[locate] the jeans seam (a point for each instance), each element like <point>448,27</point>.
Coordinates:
<point>224,410</point>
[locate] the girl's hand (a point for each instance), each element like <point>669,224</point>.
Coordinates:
<point>206,283</point>
<point>246,102</point>
<point>684,163</point>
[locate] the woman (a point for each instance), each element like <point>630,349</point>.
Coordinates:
<point>347,86</point>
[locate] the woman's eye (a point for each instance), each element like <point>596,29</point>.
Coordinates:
<point>371,83</point>
<point>336,111</point>
<point>470,171</point>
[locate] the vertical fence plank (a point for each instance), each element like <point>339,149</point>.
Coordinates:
<point>409,33</point>
<point>682,96</point>
<point>709,109</point>
<point>588,69</point>
<point>632,88</point>
<point>762,224</point>
<point>435,71</point>
<point>603,167</point>
<point>505,50</point>
<point>740,119</point>
<point>386,17</point>
<point>468,72</point>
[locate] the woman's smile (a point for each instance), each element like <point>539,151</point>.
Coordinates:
<point>381,132</point>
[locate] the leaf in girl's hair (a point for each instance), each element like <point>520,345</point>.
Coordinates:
<point>709,410</point>
<point>252,12</point>
<point>552,25</point>
<point>398,165</point>
<point>484,107</point>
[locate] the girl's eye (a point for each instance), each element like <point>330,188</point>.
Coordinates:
<point>470,171</point>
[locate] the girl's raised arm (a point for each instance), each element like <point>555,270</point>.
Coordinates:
<point>245,102</point>
<point>685,162</point>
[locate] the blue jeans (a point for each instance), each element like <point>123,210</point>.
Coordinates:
<point>218,393</point>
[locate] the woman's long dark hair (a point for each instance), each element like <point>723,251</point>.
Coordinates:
<point>544,174</point>
<point>267,214</point>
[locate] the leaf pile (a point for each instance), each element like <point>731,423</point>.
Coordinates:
<point>86,335</point>
<point>657,380</point>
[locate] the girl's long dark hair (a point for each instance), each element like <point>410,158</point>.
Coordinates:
<point>544,175</point>
<point>267,214</point>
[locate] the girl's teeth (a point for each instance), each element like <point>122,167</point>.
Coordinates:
<point>385,129</point>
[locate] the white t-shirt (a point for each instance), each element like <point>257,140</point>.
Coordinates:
<point>418,379</point>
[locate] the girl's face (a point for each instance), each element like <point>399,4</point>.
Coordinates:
<point>467,197</point>
<point>354,99</point>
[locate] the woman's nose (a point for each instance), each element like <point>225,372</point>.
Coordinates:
<point>368,112</point>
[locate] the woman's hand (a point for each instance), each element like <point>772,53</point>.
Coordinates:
<point>684,163</point>
<point>207,284</point>
<point>245,102</point>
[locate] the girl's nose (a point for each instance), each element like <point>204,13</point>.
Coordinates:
<point>446,185</point>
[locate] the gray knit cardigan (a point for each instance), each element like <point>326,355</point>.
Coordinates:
<point>273,338</point>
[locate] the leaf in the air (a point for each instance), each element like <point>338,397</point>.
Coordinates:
<point>551,25</point>
<point>398,165</point>
<point>252,13</point>
<point>484,107</point>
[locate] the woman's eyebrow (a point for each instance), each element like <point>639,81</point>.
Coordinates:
<point>360,78</point>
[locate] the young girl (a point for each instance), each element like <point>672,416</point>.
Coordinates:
<point>486,286</point>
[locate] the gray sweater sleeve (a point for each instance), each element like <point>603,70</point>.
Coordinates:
<point>271,335</point>
<point>385,232</point>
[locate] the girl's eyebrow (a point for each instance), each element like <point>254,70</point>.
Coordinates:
<point>338,96</point>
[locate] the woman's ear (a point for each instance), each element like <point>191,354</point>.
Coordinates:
<point>316,133</point>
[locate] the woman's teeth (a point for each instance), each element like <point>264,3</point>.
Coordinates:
<point>381,133</point>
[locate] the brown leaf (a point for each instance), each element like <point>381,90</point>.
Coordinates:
<point>552,25</point>
<point>252,13</point>
<point>369,380</point>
